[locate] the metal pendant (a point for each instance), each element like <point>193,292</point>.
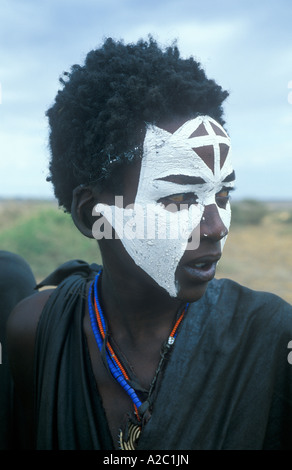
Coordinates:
<point>129,439</point>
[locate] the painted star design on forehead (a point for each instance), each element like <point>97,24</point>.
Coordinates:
<point>212,143</point>
<point>181,153</point>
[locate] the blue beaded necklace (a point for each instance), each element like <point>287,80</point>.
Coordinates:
<point>99,330</point>
<point>115,366</point>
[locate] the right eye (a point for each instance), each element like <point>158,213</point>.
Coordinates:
<point>181,198</point>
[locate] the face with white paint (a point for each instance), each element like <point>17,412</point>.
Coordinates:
<point>183,188</point>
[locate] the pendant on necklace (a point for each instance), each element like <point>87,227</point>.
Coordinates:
<point>129,439</point>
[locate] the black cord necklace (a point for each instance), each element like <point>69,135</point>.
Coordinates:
<point>128,439</point>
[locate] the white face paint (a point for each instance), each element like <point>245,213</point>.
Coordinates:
<point>165,155</point>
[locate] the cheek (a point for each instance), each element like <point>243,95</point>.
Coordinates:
<point>225,215</point>
<point>186,221</point>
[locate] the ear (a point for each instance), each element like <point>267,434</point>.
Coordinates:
<point>82,206</point>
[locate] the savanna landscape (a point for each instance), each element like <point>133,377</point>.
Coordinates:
<point>258,252</point>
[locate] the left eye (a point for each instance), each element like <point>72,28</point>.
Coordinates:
<point>223,197</point>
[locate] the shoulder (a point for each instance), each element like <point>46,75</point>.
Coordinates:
<point>24,318</point>
<point>21,333</point>
<point>261,309</point>
<point>235,292</point>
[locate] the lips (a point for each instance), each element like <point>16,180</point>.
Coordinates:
<point>202,269</point>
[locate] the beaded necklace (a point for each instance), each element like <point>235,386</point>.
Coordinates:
<point>129,439</point>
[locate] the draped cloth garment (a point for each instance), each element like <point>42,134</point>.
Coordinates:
<point>227,383</point>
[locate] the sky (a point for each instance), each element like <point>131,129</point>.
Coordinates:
<point>246,46</point>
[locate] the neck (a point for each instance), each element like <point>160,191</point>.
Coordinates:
<point>136,310</point>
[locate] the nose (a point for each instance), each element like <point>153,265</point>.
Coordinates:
<point>211,226</point>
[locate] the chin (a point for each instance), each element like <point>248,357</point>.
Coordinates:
<point>192,293</point>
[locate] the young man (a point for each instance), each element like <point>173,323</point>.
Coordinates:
<point>148,351</point>
<point>16,282</point>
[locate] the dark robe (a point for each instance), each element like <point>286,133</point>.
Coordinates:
<point>227,383</point>
<point>16,282</point>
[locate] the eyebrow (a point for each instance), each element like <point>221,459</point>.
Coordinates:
<point>230,177</point>
<point>183,179</point>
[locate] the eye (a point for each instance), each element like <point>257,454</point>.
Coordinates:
<point>223,197</point>
<point>181,198</point>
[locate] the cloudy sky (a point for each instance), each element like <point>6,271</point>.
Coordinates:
<point>246,46</point>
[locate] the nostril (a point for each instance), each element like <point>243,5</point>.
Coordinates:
<point>212,226</point>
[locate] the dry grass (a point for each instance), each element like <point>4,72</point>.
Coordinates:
<point>257,256</point>
<point>260,257</point>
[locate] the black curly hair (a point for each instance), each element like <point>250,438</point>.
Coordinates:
<point>97,122</point>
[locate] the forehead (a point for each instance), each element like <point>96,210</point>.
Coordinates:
<point>199,147</point>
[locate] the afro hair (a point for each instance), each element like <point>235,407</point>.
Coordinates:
<point>99,115</point>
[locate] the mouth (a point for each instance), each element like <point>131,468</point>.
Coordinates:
<point>202,269</point>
